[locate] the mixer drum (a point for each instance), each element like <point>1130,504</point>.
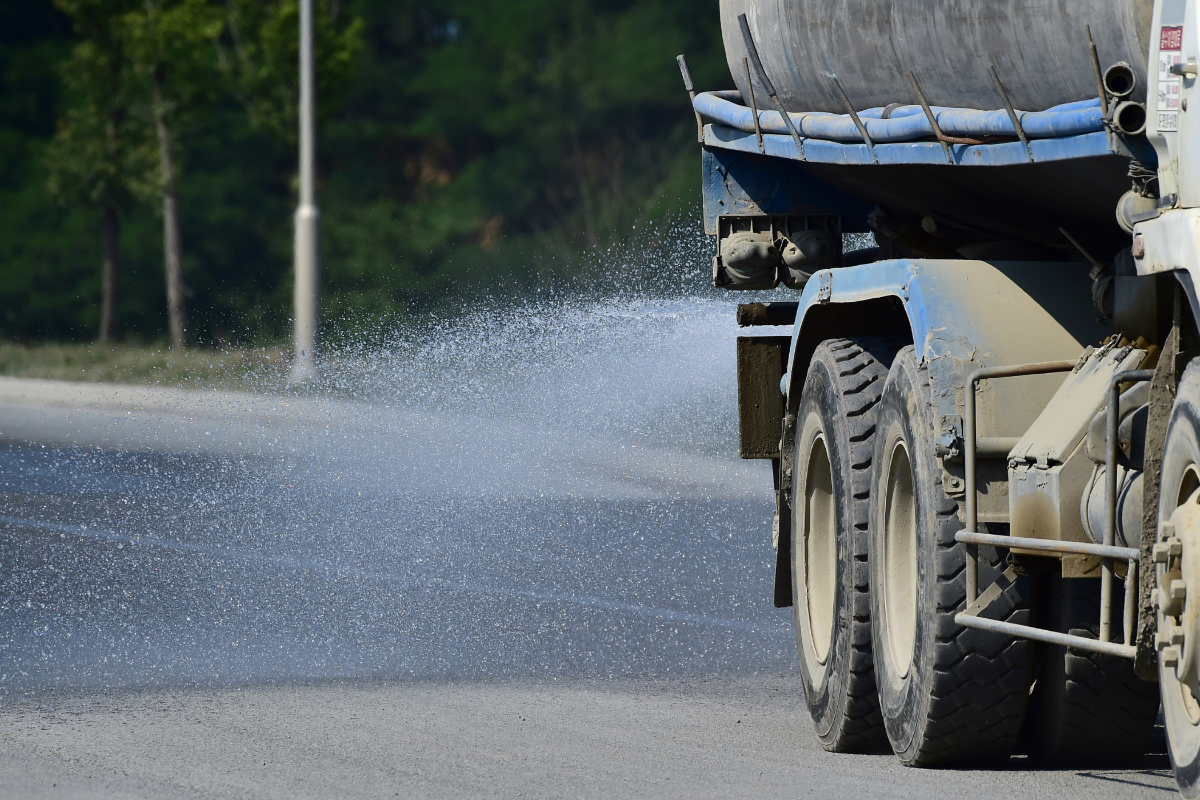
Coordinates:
<point>1039,49</point>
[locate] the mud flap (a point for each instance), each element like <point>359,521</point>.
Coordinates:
<point>783,568</point>
<point>761,362</point>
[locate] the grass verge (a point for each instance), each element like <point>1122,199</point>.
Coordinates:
<point>147,365</point>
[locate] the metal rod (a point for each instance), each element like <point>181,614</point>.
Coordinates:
<point>1110,491</point>
<point>1099,73</point>
<point>761,73</point>
<point>1050,637</point>
<point>1079,247</point>
<point>749,314</point>
<point>1130,617</point>
<point>858,123</point>
<point>1012,114</point>
<point>937,130</point>
<point>753,105</point>
<point>933,123</point>
<point>1050,545</point>
<point>969,446</point>
<point>307,265</point>
<point>995,446</point>
<point>691,90</point>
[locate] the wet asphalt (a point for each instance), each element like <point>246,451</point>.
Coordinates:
<point>199,626</point>
<point>148,570</point>
<point>561,591</point>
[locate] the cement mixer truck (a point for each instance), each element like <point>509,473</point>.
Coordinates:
<point>982,224</point>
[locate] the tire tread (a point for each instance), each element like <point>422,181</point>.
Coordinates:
<point>979,683</point>
<point>860,374</point>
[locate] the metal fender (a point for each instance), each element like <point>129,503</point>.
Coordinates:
<point>961,315</point>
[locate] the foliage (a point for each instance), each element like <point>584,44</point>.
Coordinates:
<point>260,50</point>
<point>465,146</point>
<point>99,154</point>
<point>171,43</point>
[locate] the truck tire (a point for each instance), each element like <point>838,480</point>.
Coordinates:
<point>832,470</point>
<point>947,694</point>
<point>1085,709</point>
<point>1180,480</point>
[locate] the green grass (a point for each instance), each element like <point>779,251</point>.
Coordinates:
<point>147,365</point>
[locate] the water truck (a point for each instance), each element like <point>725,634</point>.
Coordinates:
<point>984,427</point>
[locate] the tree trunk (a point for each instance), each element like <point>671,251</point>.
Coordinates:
<point>108,282</point>
<point>172,246</point>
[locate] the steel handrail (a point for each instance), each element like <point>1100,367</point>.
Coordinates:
<point>1050,545</point>
<point>1043,635</point>
<point>1107,552</point>
<point>1113,424</point>
<point>970,448</point>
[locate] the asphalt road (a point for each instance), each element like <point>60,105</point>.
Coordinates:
<point>217,595</point>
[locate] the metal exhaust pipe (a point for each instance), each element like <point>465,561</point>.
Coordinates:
<point>1120,80</point>
<point>1129,118</point>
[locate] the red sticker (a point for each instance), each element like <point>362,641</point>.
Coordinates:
<point>1170,39</point>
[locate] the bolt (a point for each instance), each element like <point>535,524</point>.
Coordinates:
<point>1168,604</point>
<point>1169,635</point>
<point>1167,530</point>
<point>1170,657</point>
<point>1178,589</point>
<point>1167,549</point>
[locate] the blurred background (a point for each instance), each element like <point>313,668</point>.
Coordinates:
<point>466,148</point>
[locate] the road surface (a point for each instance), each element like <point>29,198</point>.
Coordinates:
<point>232,595</point>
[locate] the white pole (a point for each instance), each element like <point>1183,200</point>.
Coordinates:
<point>307,263</point>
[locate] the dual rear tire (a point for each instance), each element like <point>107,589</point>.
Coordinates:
<point>878,579</point>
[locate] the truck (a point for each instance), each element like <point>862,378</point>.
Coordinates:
<point>984,425</point>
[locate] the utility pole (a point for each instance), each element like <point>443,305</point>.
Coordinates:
<point>307,263</point>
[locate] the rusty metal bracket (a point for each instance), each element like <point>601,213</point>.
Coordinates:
<point>691,90</point>
<point>753,106</point>
<point>1099,73</point>
<point>752,53</point>
<point>1012,114</point>
<point>858,123</point>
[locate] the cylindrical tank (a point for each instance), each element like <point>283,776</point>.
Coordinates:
<point>1039,48</point>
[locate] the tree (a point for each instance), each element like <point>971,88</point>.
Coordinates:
<point>172,47</point>
<point>260,54</point>
<point>92,158</point>
<point>481,145</point>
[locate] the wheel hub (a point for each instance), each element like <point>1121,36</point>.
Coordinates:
<point>1177,559</point>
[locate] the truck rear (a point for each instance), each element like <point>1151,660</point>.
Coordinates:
<point>984,426</point>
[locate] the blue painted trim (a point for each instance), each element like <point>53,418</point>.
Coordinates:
<point>737,183</point>
<point>821,151</point>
